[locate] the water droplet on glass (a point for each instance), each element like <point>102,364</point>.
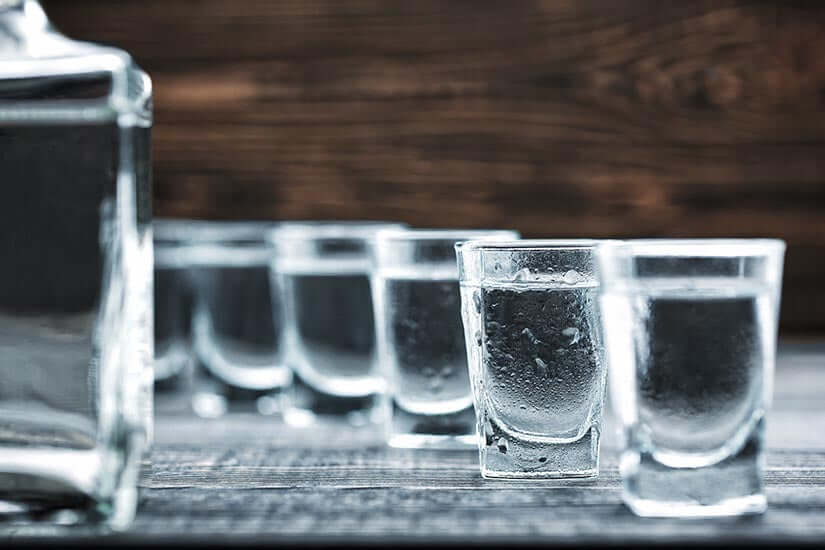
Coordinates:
<point>573,334</point>
<point>477,301</point>
<point>522,274</point>
<point>478,338</point>
<point>502,445</point>
<point>523,407</point>
<point>571,277</point>
<point>529,336</point>
<point>541,364</point>
<point>543,459</point>
<point>497,266</point>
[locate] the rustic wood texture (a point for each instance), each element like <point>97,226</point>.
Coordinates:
<point>555,117</point>
<point>250,479</point>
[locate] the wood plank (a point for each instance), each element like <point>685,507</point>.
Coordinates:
<point>557,118</point>
<point>246,479</point>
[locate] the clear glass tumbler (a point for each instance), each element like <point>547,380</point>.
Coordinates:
<point>690,328</point>
<point>323,270</point>
<point>533,334</point>
<point>420,336</point>
<point>236,322</point>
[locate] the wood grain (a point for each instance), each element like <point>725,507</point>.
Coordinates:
<point>246,479</point>
<point>557,118</point>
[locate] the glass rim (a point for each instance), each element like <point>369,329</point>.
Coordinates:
<point>697,247</point>
<point>193,231</point>
<point>530,244</point>
<point>330,229</point>
<point>424,234</point>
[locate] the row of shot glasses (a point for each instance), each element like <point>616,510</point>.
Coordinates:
<point>457,339</point>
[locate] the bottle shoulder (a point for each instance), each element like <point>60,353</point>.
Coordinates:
<point>45,75</point>
<point>28,39</point>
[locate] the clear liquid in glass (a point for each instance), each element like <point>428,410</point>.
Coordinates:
<point>425,352</point>
<point>696,388</point>
<point>330,332</point>
<point>541,382</point>
<point>237,332</point>
<point>75,316</point>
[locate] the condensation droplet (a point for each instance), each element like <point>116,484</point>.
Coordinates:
<point>541,364</point>
<point>522,274</point>
<point>542,459</point>
<point>477,301</point>
<point>478,338</point>
<point>573,334</point>
<point>571,277</point>
<point>529,337</point>
<point>502,445</point>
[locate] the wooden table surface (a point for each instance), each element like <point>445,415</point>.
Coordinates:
<point>250,479</point>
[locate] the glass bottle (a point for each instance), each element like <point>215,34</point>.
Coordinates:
<point>75,274</point>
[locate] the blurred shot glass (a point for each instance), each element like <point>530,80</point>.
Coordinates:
<point>236,323</point>
<point>173,303</point>
<point>323,271</point>
<point>533,336</point>
<point>420,336</point>
<point>690,328</point>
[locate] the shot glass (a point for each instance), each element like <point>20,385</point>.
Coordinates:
<point>173,297</point>
<point>532,327</point>
<point>236,322</point>
<point>690,328</point>
<point>323,271</point>
<point>420,336</point>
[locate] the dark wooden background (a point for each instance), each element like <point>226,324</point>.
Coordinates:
<point>556,117</point>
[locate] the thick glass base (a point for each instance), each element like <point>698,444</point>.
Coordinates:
<point>213,398</point>
<point>504,455</point>
<point>730,487</point>
<point>60,514</point>
<point>753,504</point>
<point>59,487</point>
<point>305,405</point>
<point>453,431</point>
<point>171,368</point>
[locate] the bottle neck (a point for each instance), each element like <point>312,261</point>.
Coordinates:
<point>11,4</point>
